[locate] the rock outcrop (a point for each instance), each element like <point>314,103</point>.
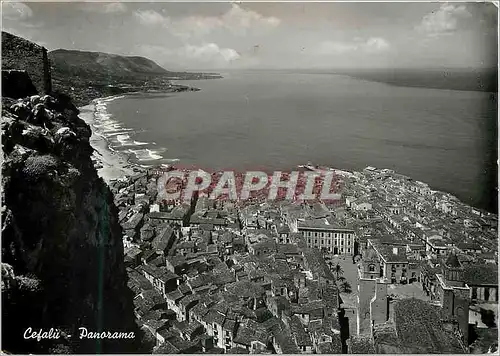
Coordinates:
<point>62,251</point>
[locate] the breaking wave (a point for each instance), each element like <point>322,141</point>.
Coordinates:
<point>121,138</point>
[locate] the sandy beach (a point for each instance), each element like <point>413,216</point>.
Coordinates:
<point>112,165</point>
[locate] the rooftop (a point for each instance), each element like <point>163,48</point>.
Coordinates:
<point>419,328</point>
<point>361,344</point>
<point>484,274</point>
<point>320,224</point>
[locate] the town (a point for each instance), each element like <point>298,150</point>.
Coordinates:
<point>392,266</point>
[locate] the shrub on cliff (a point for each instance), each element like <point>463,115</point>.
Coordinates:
<point>28,283</point>
<point>36,167</point>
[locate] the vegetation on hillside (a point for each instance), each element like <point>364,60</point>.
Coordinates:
<point>90,75</point>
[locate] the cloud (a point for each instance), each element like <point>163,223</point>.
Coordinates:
<point>443,21</point>
<point>105,8</point>
<point>151,18</point>
<point>376,44</point>
<point>195,26</point>
<point>16,11</point>
<point>371,45</point>
<point>238,17</point>
<point>236,20</point>
<point>204,55</point>
<point>332,47</point>
<point>211,52</point>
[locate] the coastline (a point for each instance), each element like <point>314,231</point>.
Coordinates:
<point>110,165</point>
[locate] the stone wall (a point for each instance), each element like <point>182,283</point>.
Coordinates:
<point>20,54</point>
<point>379,305</point>
<point>366,292</point>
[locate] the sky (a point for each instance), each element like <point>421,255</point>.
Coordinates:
<point>218,35</point>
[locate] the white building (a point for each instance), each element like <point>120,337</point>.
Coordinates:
<point>332,238</point>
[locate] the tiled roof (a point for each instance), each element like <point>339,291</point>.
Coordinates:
<point>336,344</point>
<point>245,289</point>
<point>213,316</point>
<point>175,295</point>
<point>484,274</point>
<point>326,348</point>
<point>161,241</point>
<point>319,224</point>
<point>361,345</point>
<point>138,280</point>
<point>190,298</point>
<point>248,333</point>
<point>158,272</point>
<point>286,343</point>
<point>238,350</point>
<point>302,337</point>
<point>452,261</point>
<point>229,325</point>
<point>166,348</point>
<point>317,264</point>
<point>288,249</point>
<point>309,307</point>
<point>192,327</point>
<point>386,253</point>
<point>419,328</point>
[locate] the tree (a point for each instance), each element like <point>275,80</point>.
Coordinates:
<point>488,317</point>
<point>337,270</point>
<point>342,283</point>
<point>345,287</point>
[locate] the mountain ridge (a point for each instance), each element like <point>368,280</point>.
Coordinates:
<point>88,75</point>
<point>106,61</point>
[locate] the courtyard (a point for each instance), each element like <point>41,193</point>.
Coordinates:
<point>350,273</point>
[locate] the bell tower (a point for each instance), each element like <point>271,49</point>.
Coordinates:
<point>453,271</point>
<point>455,294</point>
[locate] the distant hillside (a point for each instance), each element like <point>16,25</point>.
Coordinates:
<point>90,75</point>
<point>453,79</point>
<point>77,62</point>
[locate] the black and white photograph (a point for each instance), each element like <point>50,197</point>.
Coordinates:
<point>249,177</point>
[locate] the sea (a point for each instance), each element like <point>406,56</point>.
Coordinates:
<point>276,120</point>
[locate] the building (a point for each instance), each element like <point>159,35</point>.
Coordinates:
<point>435,246</point>
<point>369,268</point>
<point>372,304</point>
<point>327,237</point>
<point>393,262</point>
<point>483,282</point>
<point>454,293</point>
<point>418,327</point>
<point>361,205</point>
<point>283,234</point>
<point>163,280</point>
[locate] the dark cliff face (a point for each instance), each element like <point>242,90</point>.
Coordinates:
<point>62,252</point>
<point>60,233</point>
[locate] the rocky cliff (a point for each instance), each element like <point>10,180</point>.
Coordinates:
<point>62,252</point>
